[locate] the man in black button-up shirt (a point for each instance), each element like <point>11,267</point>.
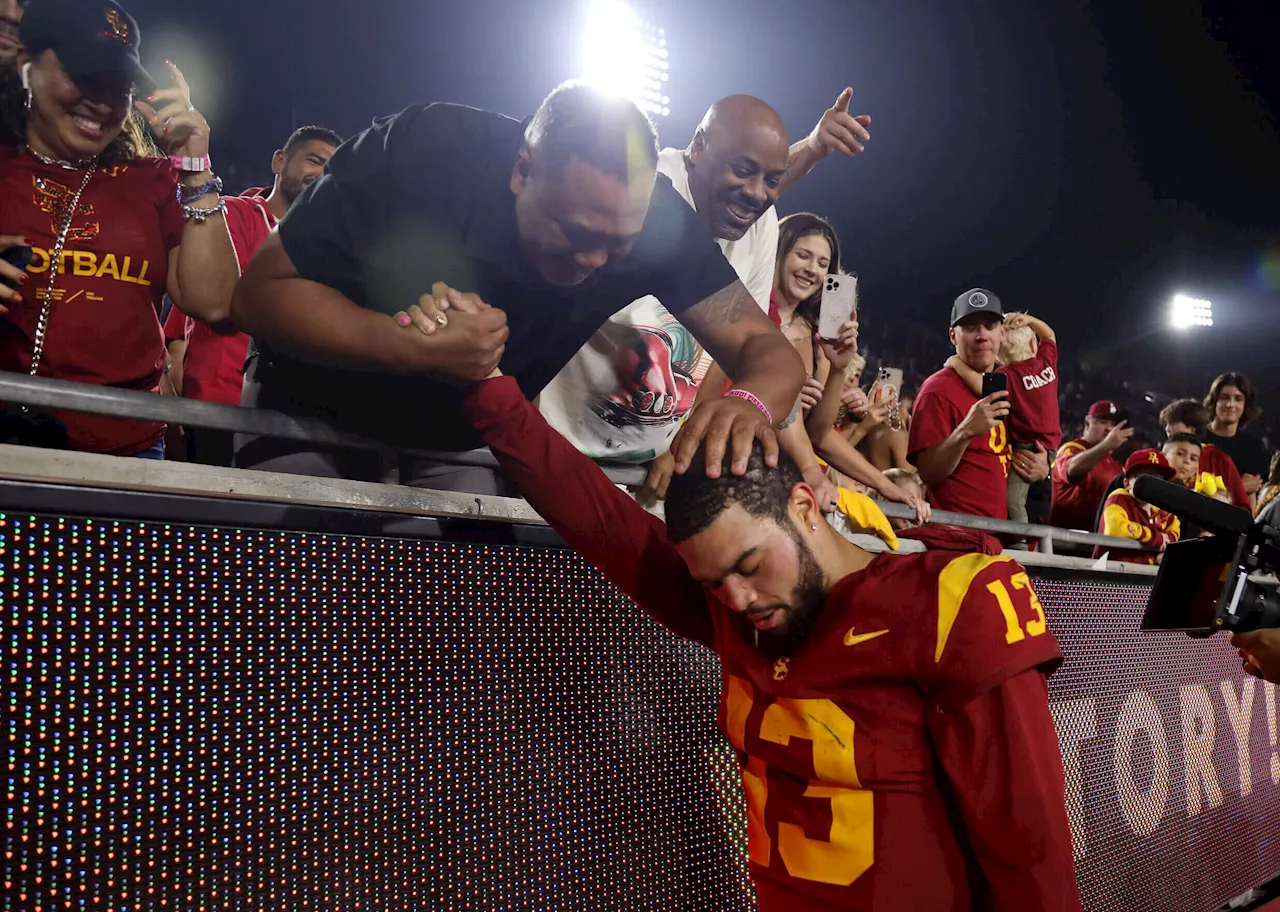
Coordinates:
<point>556,224</point>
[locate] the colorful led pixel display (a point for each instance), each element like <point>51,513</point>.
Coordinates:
<point>208,718</point>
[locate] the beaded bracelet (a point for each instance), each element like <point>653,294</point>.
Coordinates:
<point>750,397</point>
<point>187,194</point>
<point>199,214</point>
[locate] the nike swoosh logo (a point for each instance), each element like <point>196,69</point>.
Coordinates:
<point>853,639</point>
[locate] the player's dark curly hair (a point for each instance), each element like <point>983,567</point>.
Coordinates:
<point>694,501</point>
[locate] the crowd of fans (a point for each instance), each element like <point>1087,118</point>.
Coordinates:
<point>124,259</point>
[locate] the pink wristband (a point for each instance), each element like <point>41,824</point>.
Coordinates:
<point>191,165</point>
<point>749,397</point>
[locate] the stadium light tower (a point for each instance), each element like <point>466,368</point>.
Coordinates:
<point>623,54</point>
<point>1187,312</point>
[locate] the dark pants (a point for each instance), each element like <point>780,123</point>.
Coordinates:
<point>210,447</point>
<point>1039,499</point>
<point>296,457</point>
<point>1029,501</point>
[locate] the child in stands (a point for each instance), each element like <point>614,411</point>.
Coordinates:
<point>1125,516</point>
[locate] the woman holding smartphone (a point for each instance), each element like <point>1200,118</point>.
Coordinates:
<point>808,251</point>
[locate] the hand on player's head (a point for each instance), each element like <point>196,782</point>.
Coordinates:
<point>724,427</point>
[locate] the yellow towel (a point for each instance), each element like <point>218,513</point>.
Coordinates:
<point>863,512</point>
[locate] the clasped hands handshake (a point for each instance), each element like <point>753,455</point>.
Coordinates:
<point>468,339</point>
<point>477,336</point>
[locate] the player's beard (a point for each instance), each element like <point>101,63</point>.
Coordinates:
<point>806,605</point>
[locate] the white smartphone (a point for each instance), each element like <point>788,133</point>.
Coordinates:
<point>839,303</point>
<point>887,386</point>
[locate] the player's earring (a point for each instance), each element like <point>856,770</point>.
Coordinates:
<point>814,527</point>
<point>26,85</point>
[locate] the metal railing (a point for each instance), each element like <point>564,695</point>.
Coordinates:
<point>44,392</point>
<point>117,403</point>
<point>1045,535</point>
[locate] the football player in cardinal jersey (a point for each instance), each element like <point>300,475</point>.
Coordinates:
<point>890,713</point>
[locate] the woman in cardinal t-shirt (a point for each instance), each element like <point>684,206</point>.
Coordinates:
<point>78,172</point>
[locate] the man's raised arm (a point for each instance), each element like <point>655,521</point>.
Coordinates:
<point>741,338</point>
<point>1081,464</point>
<point>1000,753</point>
<point>599,521</point>
<point>836,131</point>
<point>767,372</point>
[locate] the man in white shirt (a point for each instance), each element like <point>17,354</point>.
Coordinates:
<point>627,391</point>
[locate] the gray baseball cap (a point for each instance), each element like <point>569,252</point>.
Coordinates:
<point>975,300</point>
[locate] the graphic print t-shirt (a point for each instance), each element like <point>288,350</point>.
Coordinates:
<point>104,325</point>
<point>626,392</point>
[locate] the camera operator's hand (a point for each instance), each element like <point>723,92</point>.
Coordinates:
<point>1260,650</point>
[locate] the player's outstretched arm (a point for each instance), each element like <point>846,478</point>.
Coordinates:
<point>1000,754</point>
<point>994,733</point>
<point>599,521</point>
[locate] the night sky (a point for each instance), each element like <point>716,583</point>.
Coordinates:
<point>1085,160</point>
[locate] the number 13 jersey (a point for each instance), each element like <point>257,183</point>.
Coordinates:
<point>904,758</point>
<point>866,755</point>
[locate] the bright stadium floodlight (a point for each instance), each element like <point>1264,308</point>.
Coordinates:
<point>624,55</point>
<point>1187,312</point>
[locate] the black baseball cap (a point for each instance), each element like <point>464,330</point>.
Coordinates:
<point>975,300</point>
<point>89,36</point>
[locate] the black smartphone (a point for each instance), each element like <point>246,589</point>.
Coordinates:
<point>994,383</point>
<point>18,257</point>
